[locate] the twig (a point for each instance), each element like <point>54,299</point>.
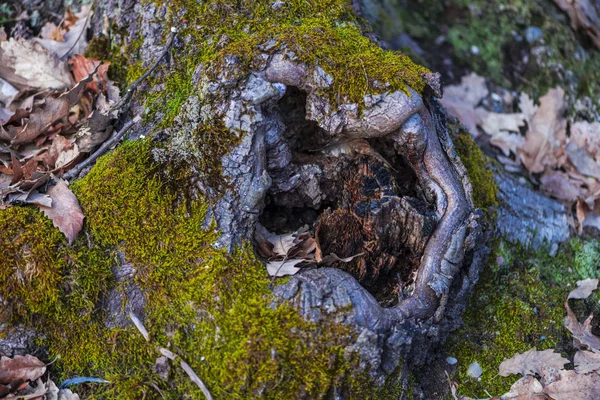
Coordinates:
<point>105,146</point>
<point>173,357</point>
<point>131,90</point>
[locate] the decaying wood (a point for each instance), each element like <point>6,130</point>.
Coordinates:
<point>433,224</point>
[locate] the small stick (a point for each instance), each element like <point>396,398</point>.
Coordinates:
<point>131,90</point>
<point>173,357</point>
<point>105,146</point>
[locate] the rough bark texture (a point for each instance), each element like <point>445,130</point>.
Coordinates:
<point>280,110</point>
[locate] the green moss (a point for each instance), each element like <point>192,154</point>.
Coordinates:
<point>587,258</point>
<point>517,306</point>
<point>324,33</point>
<point>212,308</point>
<point>40,273</point>
<point>485,190</point>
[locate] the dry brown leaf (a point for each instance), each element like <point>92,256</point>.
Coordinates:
<point>74,40</point>
<point>461,101</point>
<point>42,119</point>
<point>574,386</point>
<point>526,388</point>
<point>49,31</point>
<point>508,142</point>
<point>586,361</point>
<point>20,367</point>
<point>27,64</point>
<point>584,15</point>
<point>587,135</point>
<point>95,130</point>
<point>547,131</point>
<point>582,333</point>
<point>531,362</point>
<point>503,130</point>
<point>584,289</point>
<point>561,186</point>
<point>582,160</point>
<point>82,66</point>
<point>65,212</point>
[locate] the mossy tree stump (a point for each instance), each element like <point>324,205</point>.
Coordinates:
<point>244,118</point>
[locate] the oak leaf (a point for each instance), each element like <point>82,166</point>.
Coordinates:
<point>531,362</point>
<point>573,386</point>
<point>582,333</point>
<point>586,361</point>
<point>547,131</point>
<point>584,289</point>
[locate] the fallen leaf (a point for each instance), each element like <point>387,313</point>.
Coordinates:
<point>526,388</point>
<point>584,289</point>
<point>582,333</point>
<point>574,386</point>
<point>65,212</point>
<point>508,142</point>
<point>331,258</point>
<point>299,244</point>
<point>27,367</point>
<point>37,392</point>
<point>283,268</point>
<point>586,361</point>
<point>82,66</point>
<point>561,186</point>
<point>74,39</point>
<point>27,64</point>
<point>40,120</point>
<point>582,160</point>
<point>547,131</point>
<point>587,135</point>
<point>67,394</point>
<point>43,118</point>
<point>531,362</point>
<point>461,101</point>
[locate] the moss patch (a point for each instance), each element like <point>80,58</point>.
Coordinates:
<point>485,190</point>
<point>324,33</point>
<point>517,306</point>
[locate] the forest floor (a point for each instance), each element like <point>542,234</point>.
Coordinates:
<point>523,77</point>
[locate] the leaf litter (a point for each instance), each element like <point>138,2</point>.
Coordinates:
<point>21,378</point>
<point>562,156</point>
<point>56,108</point>
<point>285,254</point>
<point>543,373</point>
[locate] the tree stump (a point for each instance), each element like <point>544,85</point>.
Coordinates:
<point>298,118</point>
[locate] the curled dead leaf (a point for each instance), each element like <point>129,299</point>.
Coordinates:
<point>531,362</point>
<point>65,211</point>
<point>27,368</point>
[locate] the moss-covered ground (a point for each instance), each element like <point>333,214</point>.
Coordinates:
<point>518,305</point>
